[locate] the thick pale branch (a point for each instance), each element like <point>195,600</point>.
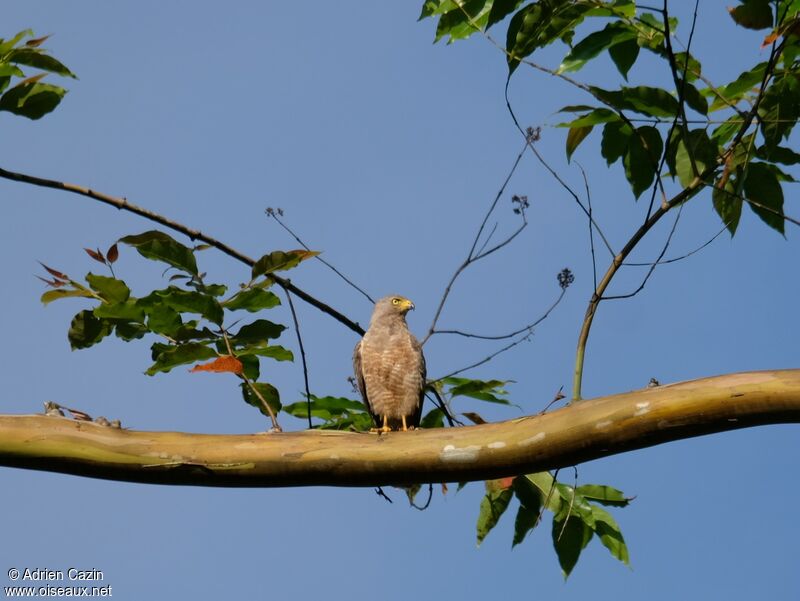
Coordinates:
<point>575,434</point>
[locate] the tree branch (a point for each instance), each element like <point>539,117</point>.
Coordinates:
<point>565,437</point>
<point>123,204</point>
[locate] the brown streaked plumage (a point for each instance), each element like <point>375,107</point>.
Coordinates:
<point>390,367</point>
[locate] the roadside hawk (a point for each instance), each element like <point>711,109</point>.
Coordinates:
<point>390,367</point>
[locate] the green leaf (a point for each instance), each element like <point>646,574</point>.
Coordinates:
<point>700,149</point>
<point>86,330</point>
<point>337,413</point>
<point>539,24</point>
<point>753,14</point>
<point>610,534</point>
<point>593,117</point>
<point>433,419</point>
<point>7,45</point>
<point>624,56</point>
<point>168,356</point>
<point>500,10</point>
<point>526,520</point>
<point>275,351</point>
<point>570,537</point>
<point>258,332</point>
<point>159,246</point>
<point>694,98</point>
<point>595,43</point>
<point>761,186</point>
<point>615,142</point>
<point>484,390</point>
<point>252,299</point>
<point>463,20</point>
<point>267,391</point>
<point>575,136</point>
<point>603,494</point>
<point>641,158</point>
<point>184,301</point>
<point>531,499</point>
<point>654,102</point>
<point>281,261</point>
<point>727,204</point>
<point>493,505</point>
<point>545,483</point>
<point>778,154</point>
<point>780,109</point>
<point>59,293</point>
<point>36,58</point>
<point>7,70</point>
<point>111,290</point>
<point>162,319</point>
<point>575,503</point>
<point>128,331</point>
<point>688,66</point>
<point>127,310</point>
<point>31,99</point>
<point>737,89</point>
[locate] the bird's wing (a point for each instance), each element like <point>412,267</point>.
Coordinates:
<point>423,374</point>
<point>362,385</point>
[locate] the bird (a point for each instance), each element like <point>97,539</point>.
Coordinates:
<point>390,367</point>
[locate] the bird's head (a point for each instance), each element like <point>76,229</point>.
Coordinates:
<point>393,305</point>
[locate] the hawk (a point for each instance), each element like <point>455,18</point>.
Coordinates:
<point>390,367</point>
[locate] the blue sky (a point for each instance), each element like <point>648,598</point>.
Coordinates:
<point>384,151</point>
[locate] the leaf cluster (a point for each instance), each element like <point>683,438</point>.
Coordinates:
<point>578,514</point>
<point>193,320</point>
<point>730,137</point>
<point>29,96</point>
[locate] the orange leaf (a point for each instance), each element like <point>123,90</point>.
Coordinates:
<point>500,483</point>
<point>226,363</point>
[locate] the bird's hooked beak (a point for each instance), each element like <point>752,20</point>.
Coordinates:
<point>408,305</point>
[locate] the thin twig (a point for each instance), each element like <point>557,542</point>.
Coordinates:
<point>526,328</point>
<point>252,387</point>
<point>680,258</point>
<point>272,213</point>
<point>302,354</point>
<point>472,256</point>
<point>123,204</point>
<point>427,503</point>
<point>441,403</point>
<point>591,225</point>
<point>488,358</point>
<point>654,265</point>
<point>380,493</point>
<point>557,397</point>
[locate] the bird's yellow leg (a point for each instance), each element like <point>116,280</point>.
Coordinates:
<point>384,428</point>
<point>405,427</point>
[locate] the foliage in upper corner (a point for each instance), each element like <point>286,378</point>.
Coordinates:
<point>195,322</point>
<point>732,138</point>
<point>29,96</point>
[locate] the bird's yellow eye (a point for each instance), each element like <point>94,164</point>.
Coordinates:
<point>395,301</point>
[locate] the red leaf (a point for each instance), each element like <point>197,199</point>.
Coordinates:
<point>474,417</point>
<point>112,254</point>
<point>54,283</point>
<point>54,273</point>
<point>36,41</point>
<point>96,255</point>
<point>226,363</point>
